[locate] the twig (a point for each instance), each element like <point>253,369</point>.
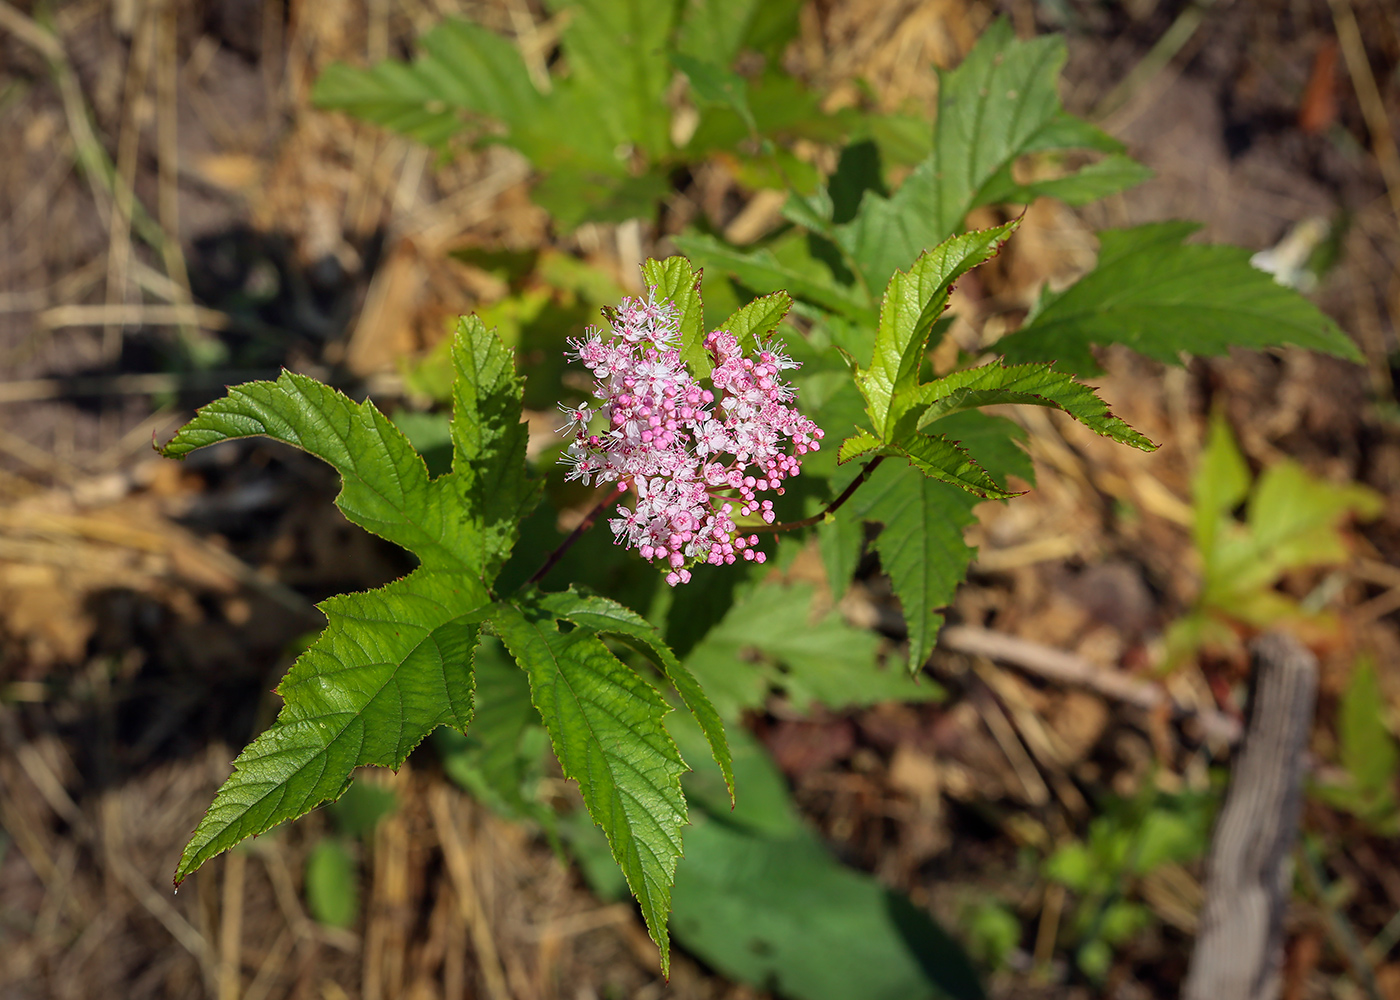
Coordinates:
<point>128,145</point>
<point>830,508</point>
<point>28,390</point>
<point>1372,106</point>
<point>1167,48</point>
<point>168,159</point>
<point>133,315</point>
<point>1239,950</point>
<point>231,927</point>
<point>454,853</point>
<point>1066,668</point>
<point>92,157</point>
<point>574,536</point>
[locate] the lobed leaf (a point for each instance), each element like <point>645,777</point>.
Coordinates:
<point>1000,103</point>
<point>608,617</point>
<point>392,664</point>
<point>463,68</point>
<point>1031,384</point>
<point>921,546</point>
<point>1164,298</point>
<point>618,68</point>
<point>913,302</point>
<point>606,726</point>
<point>384,483</point>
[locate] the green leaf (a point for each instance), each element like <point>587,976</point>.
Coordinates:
<point>761,271</point>
<point>1219,485</point>
<point>1032,384</point>
<point>713,84</point>
<point>332,884</point>
<point>368,690</point>
<point>463,68</point>
<point>1112,174</point>
<point>605,723</point>
<point>488,441</point>
<point>607,617</point>
<point>941,459</point>
<point>991,109</point>
<point>1368,749</point>
<point>385,487</point>
<point>577,194</point>
<point>913,301</point>
<point>674,279</point>
<point>1295,517</point>
<point>393,663</point>
<point>758,319</point>
<point>783,915</point>
<point>825,661</point>
<point>618,68</point>
<point>499,759</point>
<point>862,442</point>
<point>717,30</point>
<point>921,546</point>
<point>1293,521</point>
<point>1164,298</point>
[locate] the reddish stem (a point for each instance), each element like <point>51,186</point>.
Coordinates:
<point>830,508</point>
<point>575,535</point>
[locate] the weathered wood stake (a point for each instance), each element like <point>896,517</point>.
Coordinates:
<point>1239,950</point>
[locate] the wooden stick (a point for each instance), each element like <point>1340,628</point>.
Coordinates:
<point>1067,668</point>
<point>1239,950</point>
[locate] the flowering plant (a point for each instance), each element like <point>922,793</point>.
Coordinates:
<point>690,456</point>
<point>705,431</point>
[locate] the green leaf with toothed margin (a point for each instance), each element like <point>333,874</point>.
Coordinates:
<point>758,319</point>
<point>913,302</point>
<point>999,104</point>
<point>606,725</point>
<point>862,442</point>
<point>762,271</point>
<point>674,278</point>
<point>394,663</point>
<point>938,458</point>
<point>921,546</point>
<point>1162,297</point>
<point>1032,385</point>
<point>610,618</point>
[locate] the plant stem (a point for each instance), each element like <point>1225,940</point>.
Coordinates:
<point>831,508</point>
<point>575,535</point>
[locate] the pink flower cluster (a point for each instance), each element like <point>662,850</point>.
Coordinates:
<point>695,458</point>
